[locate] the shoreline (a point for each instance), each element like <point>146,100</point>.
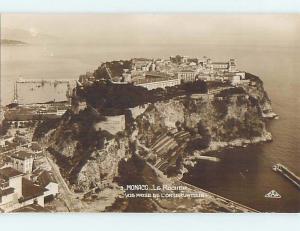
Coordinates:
<point>192,160</point>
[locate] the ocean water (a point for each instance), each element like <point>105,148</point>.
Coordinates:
<point>243,175</point>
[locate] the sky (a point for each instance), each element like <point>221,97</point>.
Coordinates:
<point>240,29</point>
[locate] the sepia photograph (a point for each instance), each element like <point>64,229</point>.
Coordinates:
<point>149,113</point>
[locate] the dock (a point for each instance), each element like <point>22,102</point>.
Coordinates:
<point>287,173</point>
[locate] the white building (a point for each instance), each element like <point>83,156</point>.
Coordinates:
<point>186,76</point>
<point>22,161</point>
<point>159,84</point>
<point>16,191</point>
<point>47,180</point>
<point>5,139</point>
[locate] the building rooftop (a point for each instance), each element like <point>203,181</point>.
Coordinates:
<point>46,178</point>
<point>30,190</point>
<point>156,74</point>
<point>7,191</point>
<point>35,147</point>
<point>9,172</point>
<point>6,137</point>
<point>182,71</point>
<point>21,155</point>
<point>220,63</point>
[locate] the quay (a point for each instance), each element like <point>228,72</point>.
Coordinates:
<point>291,176</point>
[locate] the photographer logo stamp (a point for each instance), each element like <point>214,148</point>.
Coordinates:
<point>273,194</point>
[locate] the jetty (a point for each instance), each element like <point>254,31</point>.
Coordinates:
<point>291,176</point>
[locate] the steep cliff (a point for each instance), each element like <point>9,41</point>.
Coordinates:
<point>231,116</point>
<point>168,133</point>
<point>86,156</point>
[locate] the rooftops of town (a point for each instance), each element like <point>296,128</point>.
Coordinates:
<point>9,172</point>
<point>22,155</point>
<point>30,190</point>
<point>6,191</point>
<point>6,137</point>
<point>46,178</point>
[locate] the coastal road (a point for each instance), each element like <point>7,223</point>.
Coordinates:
<point>68,196</point>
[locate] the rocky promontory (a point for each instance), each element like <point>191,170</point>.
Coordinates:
<point>167,129</point>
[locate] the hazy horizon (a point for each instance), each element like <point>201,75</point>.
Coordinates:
<point>143,29</point>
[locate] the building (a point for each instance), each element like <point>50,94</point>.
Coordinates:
<point>241,74</point>
<point>36,148</point>
<point>161,83</point>
<point>229,66</point>
<point>126,77</point>
<point>236,78</point>
<point>16,191</point>
<point>47,180</point>
<point>232,65</point>
<point>88,77</point>
<point>220,66</point>
<point>26,115</point>
<point>186,76</point>
<point>31,193</point>
<point>141,64</point>
<point>22,161</point>
<point>205,77</point>
<point>10,185</point>
<point>6,139</point>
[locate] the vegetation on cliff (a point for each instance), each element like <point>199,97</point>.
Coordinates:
<point>110,98</point>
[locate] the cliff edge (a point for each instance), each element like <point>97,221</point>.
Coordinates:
<point>168,129</point>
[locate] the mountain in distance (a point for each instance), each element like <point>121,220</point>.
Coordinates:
<point>27,36</point>
<point>11,42</point>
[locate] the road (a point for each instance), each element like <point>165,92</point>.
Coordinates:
<point>73,204</point>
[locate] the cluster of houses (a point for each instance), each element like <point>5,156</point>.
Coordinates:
<point>161,73</point>
<point>23,184</point>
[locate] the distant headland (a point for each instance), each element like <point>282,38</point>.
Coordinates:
<point>12,42</point>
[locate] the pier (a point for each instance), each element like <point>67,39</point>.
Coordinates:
<point>283,170</point>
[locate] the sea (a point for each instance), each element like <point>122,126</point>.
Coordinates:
<point>243,174</point>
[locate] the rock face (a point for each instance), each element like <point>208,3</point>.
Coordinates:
<point>86,156</point>
<point>223,118</point>
<point>229,116</point>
